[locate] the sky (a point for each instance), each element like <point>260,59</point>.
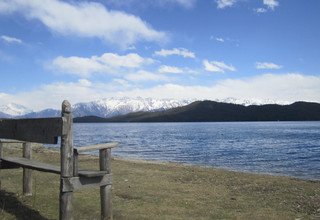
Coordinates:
<point>51,50</point>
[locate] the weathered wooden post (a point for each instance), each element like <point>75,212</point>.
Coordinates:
<point>66,161</point>
<point>27,173</point>
<point>75,162</point>
<point>105,191</point>
<point>0,157</point>
<point>1,148</point>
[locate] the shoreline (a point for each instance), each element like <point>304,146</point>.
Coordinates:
<point>224,169</point>
<point>160,162</point>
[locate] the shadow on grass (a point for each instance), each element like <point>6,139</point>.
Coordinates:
<point>10,204</point>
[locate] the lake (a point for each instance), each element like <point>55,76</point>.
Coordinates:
<point>278,148</point>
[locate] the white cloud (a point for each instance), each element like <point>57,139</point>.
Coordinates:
<point>225,3</point>
<point>260,10</point>
<point>106,63</point>
<point>84,82</point>
<point>267,65</point>
<point>169,69</point>
<point>145,76</point>
<point>11,40</point>
<point>52,95</point>
<point>269,5</point>
<point>235,42</point>
<point>220,39</point>
<point>77,65</point>
<point>132,47</point>
<point>85,19</point>
<point>272,4</point>
<point>122,83</point>
<point>288,87</point>
<point>217,66</point>
<point>5,98</point>
<point>175,51</point>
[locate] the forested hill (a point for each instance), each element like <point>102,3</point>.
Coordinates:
<point>209,111</point>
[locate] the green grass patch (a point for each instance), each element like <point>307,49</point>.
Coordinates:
<point>145,190</point>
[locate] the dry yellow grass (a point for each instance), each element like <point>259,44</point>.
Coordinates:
<point>144,190</point>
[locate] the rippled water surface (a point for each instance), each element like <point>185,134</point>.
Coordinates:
<point>284,148</point>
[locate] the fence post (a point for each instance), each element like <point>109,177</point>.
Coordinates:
<point>1,150</point>
<point>27,173</point>
<point>66,152</point>
<point>75,162</point>
<point>105,191</point>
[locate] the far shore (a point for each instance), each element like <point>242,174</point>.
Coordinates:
<point>164,190</point>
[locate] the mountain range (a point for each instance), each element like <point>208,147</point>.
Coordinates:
<point>211,111</point>
<point>13,110</point>
<point>108,107</point>
<point>148,109</point>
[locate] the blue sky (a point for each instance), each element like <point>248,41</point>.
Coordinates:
<point>52,50</point>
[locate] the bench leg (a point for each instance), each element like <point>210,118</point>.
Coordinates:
<point>65,205</point>
<point>105,191</point>
<point>1,150</point>
<point>27,173</point>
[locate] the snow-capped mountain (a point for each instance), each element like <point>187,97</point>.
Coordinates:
<point>14,110</point>
<point>119,106</point>
<point>43,114</point>
<point>110,107</point>
<point>107,107</point>
<point>247,102</point>
<point>3,115</point>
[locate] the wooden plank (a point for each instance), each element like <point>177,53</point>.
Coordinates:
<point>96,147</point>
<point>66,152</point>
<point>1,153</point>
<point>16,162</point>
<point>91,173</point>
<point>105,191</point>
<point>8,141</point>
<point>31,164</point>
<point>27,173</point>
<point>76,183</point>
<point>40,130</point>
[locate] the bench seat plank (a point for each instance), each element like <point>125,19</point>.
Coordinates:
<point>44,167</point>
<point>96,147</point>
<point>27,163</point>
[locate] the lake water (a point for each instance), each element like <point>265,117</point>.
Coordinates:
<point>281,148</point>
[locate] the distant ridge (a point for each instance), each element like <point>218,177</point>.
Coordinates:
<point>43,114</point>
<point>105,108</point>
<point>211,111</point>
<point>13,110</point>
<point>229,109</point>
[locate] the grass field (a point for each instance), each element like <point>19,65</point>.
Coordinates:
<point>144,190</point>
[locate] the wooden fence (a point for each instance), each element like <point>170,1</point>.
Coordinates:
<point>47,131</point>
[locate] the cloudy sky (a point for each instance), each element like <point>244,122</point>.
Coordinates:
<point>52,50</point>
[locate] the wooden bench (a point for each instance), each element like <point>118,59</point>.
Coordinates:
<point>47,131</point>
